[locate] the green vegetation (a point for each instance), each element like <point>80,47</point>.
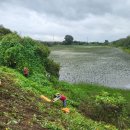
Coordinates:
<point>100,103</point>
<point>25,93</point>
<point>21,106</point>
<point>17,53</point>
<point>124,42</point>
<point>4,31</point>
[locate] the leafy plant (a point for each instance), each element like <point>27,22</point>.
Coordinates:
<point>111,108</point>
<point>52,68</point>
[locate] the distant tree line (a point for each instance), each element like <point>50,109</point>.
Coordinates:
<point>69,40</point>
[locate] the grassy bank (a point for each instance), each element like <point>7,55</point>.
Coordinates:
<point>25,93</point>
<point>83,91</point>
<point>126,50</point>
<point>90,91</point>
<point>79,98</point>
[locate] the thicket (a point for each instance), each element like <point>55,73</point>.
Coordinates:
<point>111,108</point>
<point>17,52</point>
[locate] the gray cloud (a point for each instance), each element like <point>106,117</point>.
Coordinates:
<point>95,20</point>
<point>74,9</point>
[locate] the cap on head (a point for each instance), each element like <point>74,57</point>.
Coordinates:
<point>57,94</point>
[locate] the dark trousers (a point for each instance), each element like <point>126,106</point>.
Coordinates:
<point>64,103</point>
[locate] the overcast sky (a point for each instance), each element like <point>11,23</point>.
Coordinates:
<point>92,20</point>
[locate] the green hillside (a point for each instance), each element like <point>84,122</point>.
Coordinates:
<point>92,107</point>
<point>22,108</point>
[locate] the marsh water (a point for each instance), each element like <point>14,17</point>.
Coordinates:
<point>90,64</point>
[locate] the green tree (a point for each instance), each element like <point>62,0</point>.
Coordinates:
<point>68,40</point>
<point>106,42</point>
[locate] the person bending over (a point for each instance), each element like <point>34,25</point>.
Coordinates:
<point>58,96</point>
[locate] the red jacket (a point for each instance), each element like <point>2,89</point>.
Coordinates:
<point>62,98</point>
<point>25,71</point>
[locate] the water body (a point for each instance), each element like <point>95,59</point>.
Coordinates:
<point>103,65</point>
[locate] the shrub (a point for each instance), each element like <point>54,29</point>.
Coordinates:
<point>54,80</point>
<point>9,47</point>
<point>10,57</point>
<point>52,68</point>
<point>42,51</point>
<point>111,108</point>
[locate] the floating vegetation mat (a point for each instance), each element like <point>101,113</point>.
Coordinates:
<point>103,65</point>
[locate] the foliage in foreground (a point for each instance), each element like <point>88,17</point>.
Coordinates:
<point>100,103</point>
<point>111,108</point>
<point>37,114</point>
